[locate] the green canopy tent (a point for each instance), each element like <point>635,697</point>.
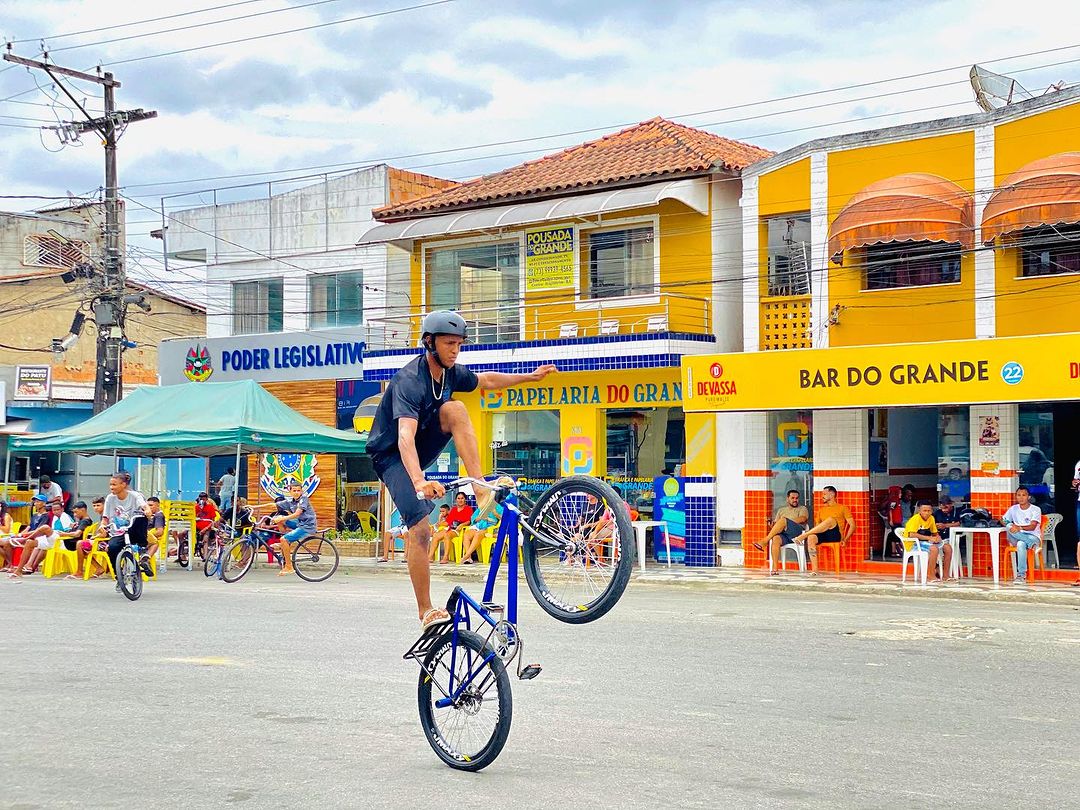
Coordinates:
<point>197,420</point>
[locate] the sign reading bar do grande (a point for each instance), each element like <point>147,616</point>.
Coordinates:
<point>272,357</point>
<point>549,258</point>
<point>1043,368</point>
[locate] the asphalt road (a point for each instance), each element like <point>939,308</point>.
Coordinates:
<point>274,693</point>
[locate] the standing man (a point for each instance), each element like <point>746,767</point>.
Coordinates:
<point>836,526</point>
<point>1023,522</point>
<point>227,488</point>
<point>50,489</point>
<point>791,520</point>
<point>416,419</point>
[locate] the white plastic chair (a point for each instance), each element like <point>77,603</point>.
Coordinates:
<point>656,323</point>
<point>609,327</point>
<point>920,559</point>
<point>1049,538</point>
<point>568,330</point>
<point>796,549</point>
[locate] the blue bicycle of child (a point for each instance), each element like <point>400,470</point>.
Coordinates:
<point>576,551</point>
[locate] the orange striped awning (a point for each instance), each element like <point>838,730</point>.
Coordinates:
<point>904,208</point>
<point>1044,192</point>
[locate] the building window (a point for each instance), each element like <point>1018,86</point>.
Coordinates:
<point>42,250</point>
<point>621,262</point>
<point>335,300</point>
<point>258,306</point>
<point>911,264</point>
<point>483,284</point>
<point>789,254</point>
<point>1050,251</point>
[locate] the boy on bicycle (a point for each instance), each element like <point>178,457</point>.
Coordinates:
<point>415,420</point>
<point>299,519</point>
<point>125,513</point>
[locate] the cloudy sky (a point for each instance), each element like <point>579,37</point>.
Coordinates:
<point>466,87</point>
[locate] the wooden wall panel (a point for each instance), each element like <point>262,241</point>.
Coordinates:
<point>315,399</point>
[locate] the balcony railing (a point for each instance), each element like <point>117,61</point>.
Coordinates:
<point>550,320</point>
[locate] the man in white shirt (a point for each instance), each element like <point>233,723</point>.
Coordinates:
<point>1023,521</point>
<point>226,488</point>
<point>50,489</point>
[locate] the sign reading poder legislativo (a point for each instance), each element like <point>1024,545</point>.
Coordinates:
<point>1043,368</point>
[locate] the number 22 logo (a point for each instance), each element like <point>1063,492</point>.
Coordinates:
<point>1012,373</point>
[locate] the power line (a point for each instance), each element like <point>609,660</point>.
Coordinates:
<point>281,33</point>
<point>194,25</point>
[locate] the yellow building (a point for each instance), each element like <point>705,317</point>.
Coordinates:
<point>910,305</point>
<point>612,259</point>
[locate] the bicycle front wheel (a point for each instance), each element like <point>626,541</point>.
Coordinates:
<point>236,560</point>
<point>579,576</point>
<point>128,574</point>
<point>315,559</point>
<point>469,733</point>
<point>213,557</point>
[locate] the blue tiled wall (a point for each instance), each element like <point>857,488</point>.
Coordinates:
<point>700,528</point>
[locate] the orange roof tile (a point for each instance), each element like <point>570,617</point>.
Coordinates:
<point>651,149</point>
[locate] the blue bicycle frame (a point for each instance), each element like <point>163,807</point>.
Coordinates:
<point>464,608</point>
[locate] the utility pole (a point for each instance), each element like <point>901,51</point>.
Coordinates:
<point>110,305</point>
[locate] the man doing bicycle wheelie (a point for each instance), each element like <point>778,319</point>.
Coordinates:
<point>415,420</point>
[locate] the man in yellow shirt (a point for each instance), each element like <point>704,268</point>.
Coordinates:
<point>835,525</point>
<point>922,528</point>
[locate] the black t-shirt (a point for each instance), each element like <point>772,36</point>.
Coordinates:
<point>80,526</point>
<point>412,393</point>
<point>157,520</point>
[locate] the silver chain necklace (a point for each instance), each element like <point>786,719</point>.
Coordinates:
<point>442,387</point>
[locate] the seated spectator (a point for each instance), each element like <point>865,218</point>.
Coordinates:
<point>206,518</point>
<point>791,521</point>
<point>244,516</point>
<point>440,535</point>
<point>155,528</point>
<point>922,528</point>
<point>41,539</point>
<point>73,537</point>
<point>1023,524</point>
<point>457,519</point>
<point>51,490</point>
<point>945,518</point>
<point>472,536</point>
<point>836,526</point>
<point>97,541</point>
<point>39,515</point>
<point>5,520</point>
<point>390,538</point>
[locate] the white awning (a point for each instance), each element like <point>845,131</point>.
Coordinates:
<point>692,192</point>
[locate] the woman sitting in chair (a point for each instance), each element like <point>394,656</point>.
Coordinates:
<point>470,541</point>
<point>457,518</point>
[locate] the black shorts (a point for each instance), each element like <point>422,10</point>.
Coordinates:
<point>830,536</point>
<point>793,530</point>
<point>430,442</point>
<point>69,543</point>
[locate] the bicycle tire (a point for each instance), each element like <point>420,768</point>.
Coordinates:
<point>213,559</point>
<point>311,557</point>
<point>561,582</point>
<point>236,560</point>
<point>128,574</point>
<point>466,713</point>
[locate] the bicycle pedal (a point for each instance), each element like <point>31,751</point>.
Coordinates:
<point>529,671</point>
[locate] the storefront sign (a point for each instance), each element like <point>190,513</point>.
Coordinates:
<point>33,382</point>
<point>320,355</point>
<point>549,258</point>
<point>669,506</point>
<point>1025,369</point>
<point>632,388</point>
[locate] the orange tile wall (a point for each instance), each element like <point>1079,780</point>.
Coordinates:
<point>997,503</point>
<point>758,505</point>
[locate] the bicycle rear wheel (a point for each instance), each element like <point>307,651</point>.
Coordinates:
<point>128,574</point>
<point>581,579</point>
<point>315,559</point>
<point>469,734</point>
<point>236,559</point>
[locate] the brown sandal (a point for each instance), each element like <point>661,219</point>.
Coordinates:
<point>434,616</point>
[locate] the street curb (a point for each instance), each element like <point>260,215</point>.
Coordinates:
<point>1006,594</point>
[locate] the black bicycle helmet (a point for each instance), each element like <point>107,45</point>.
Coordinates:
<point>442,322</point>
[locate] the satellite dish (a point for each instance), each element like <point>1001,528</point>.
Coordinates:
<point>994,91</point>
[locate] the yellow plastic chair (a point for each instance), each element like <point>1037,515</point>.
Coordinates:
<point>367,522</point>
<point>487,543</point>
<point>58,560</point>
<point>95,555</point>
